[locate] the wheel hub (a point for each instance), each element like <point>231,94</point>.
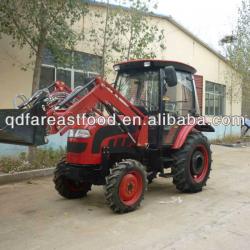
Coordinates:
<point>130,188</point>
<point>197,163</point>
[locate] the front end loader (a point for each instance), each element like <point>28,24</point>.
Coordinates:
<point>123,157</point>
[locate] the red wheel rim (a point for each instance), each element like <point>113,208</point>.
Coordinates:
<point>130,188</point>
<point>199,163</point>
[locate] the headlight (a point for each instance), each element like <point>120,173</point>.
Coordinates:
<point>79,133</point>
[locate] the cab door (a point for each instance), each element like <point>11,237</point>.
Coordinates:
<point>178,102</point>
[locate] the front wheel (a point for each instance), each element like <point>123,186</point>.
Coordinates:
<point>192,164</point>
<point>125,186</point>
<point>69,188</point>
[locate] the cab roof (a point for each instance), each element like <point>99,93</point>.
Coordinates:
<point>153,63</point>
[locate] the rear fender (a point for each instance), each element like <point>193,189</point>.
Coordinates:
<point>186,130</point>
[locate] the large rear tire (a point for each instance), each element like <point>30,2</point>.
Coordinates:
<point>125,186</point>
<point>68,188</point>
<point>192,164</point>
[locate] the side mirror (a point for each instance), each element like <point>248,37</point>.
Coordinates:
<point>170,76</point>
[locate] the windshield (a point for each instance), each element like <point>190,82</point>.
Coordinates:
<point>140,88</point>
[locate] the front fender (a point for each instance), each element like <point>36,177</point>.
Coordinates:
<point>186,130</point>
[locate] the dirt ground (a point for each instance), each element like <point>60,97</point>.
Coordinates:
<point>34,216</point>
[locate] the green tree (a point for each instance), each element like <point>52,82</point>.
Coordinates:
<point>123,33</point>
<point>41,24</point>
<point>38,25</point>
<point>237,49</point>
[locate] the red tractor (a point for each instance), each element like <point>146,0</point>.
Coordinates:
<point>123,157</point>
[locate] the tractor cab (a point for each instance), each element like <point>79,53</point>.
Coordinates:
<point>158,87</point>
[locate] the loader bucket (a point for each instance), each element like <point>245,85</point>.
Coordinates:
<point>12,132</point>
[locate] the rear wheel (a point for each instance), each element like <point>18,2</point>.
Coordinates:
<point>192,164</point>
<point>125,186</point>
<point>68,188</point>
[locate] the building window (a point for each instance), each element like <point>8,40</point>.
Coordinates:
<point>76,70</point>
<point>215,99</point>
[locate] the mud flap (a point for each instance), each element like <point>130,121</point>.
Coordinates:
<point>13,132</point>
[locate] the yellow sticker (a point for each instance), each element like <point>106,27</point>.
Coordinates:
<point>166,98</point>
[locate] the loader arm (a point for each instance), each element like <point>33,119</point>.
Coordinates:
<point>103,93</point>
